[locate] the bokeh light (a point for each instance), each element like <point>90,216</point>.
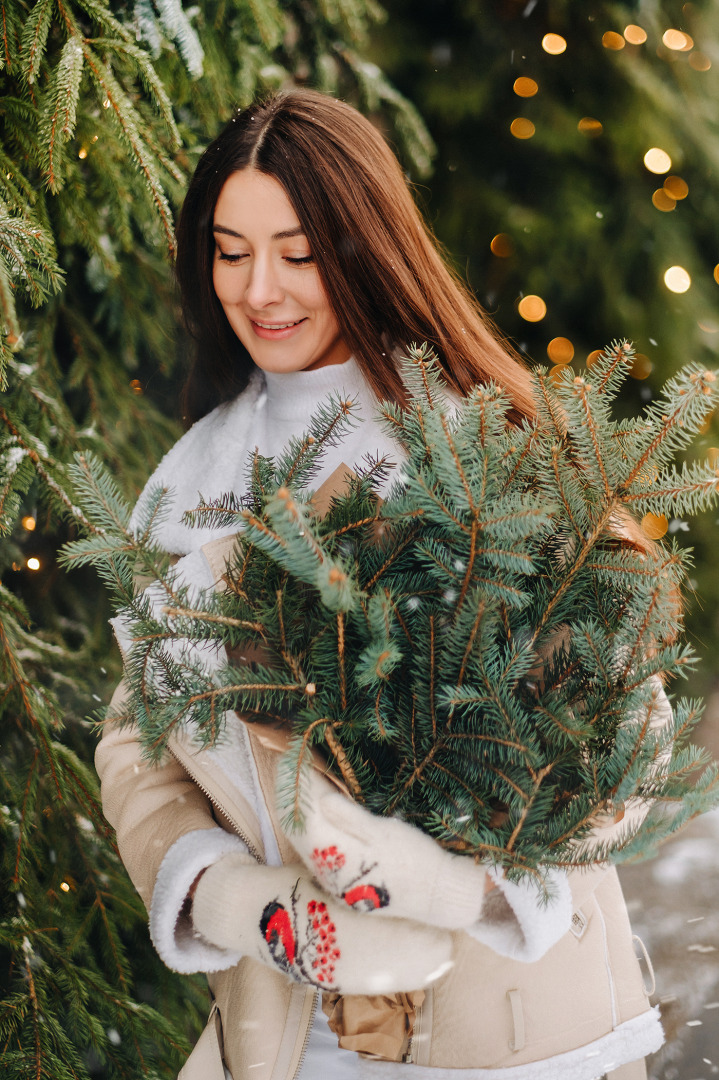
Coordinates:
<point>524,87</point>
<point>716,273</point>
<point>593,357</point>
<point>663,200</point>
<point>675,39</point>
<point>657,160</point>
<point>560,350</point>
<point>28,522</point>
<point>554,44</point>
<point>641,367</point>
<point>676,187</point>
<point>654,526</point>
<point>699,61</point>
<point>502,246</point>
<point>532,308</point>
<point>634,34</point>
<point>33,563</point>
<point>522,128</point>
<point>589,126</point>
<point>677,279</point>
<point>612,40</point>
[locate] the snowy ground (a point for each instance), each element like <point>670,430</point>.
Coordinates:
<point>673,902</point>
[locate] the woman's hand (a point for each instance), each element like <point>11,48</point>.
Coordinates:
<point>279,916</point>
<point>383,864</point>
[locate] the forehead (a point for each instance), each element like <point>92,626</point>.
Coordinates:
<point>252,202</point>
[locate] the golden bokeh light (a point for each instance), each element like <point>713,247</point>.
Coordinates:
<point>560,350</point>
<point>33,563</point>
<point>589,126</point>
<point>657,160</point>
<point>532,308</point>
<point>677,279</point>
<point>641,367</point>
<point>612,40</point>
<point>136,386</point>
<point>524,87</point>
<point>713,456</point>
<point>716,273</point>
<point>593,357</point>
<point>557,373</point>
<point>502,245</point>
<point>522,128</point>
<point>699,61</point>
<point>554,44</point>
<point>64,886</point>
<point>654,526</point>
<point>676,187</point>
<point>82,153</point>
<point>675,39</point>
<point>706,423</point>
<point>663,200</point>
<point>634,34</point>
<point>28,522</point>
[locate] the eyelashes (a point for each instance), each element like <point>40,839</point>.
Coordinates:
<point>303,260</point>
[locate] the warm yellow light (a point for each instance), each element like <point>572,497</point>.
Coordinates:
<point>713,456</point>
<point>33,563</point>
<point>556,373</point>
<point>95,138</point>
<point>663,200</point>
<point>716,273</point>
<point>634,34</point>
<point>675,39</point>
<point>560,350</point>
<point>522,128</point>
<point>657,161</point>
<point>532,308</point>
<point>654,526</point>
<point>593,357</point>
<point>502,246</point>
<point>641,367</point>
<point>64,886</point>
<point>677,279</point>
<point>589,126</point>
<point>524,87</point>
<point>106,103</point>
<point>688,44</point>
<point>82,153</point>
<point>700,61</point>
<point>676,187</point>
<point>554,44</point>
<point>708,326</point>
<point>136,386</point>
<point>612,40</point>
<point>28,522</point>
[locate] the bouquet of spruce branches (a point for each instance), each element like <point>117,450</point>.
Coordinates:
<point>477,640</point>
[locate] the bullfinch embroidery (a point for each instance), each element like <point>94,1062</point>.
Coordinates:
<point>357,893</point>
<point>314,962</point>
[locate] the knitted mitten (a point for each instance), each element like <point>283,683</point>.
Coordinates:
<point>383,864</point>
<point>279,916</point>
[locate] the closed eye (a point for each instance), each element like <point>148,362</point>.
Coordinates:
<point>302,260</point>
<point>228,258</point>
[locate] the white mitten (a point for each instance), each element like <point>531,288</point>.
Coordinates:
<point>383,864</point>
<point>279,916</point>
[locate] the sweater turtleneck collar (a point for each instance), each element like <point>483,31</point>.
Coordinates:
<point>296,394</point>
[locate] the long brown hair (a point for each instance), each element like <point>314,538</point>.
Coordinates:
<point>382,270</point>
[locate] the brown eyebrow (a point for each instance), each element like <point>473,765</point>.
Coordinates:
<point>286,234</point>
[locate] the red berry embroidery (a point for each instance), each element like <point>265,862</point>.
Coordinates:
<point>328,860</point>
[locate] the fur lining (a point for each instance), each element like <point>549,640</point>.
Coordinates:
<point>171,930</point>
<point>517,924</point>
<point>632,1040</point>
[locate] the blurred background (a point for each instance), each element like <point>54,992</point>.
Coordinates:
<point>566,154</point>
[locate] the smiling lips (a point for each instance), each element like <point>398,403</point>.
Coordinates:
<point>275,331</point>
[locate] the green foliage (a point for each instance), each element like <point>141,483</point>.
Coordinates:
<point>480,650</point>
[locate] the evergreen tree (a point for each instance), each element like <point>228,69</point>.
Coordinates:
<point>104,109</point>
<point>480,651</point>
<point>541,187</point>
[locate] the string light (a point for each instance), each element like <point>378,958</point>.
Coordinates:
<point>612,40</point>
<point>28,522</point>
<point>554,44</point>
<point>502,246</point>
<point>654,526</point>
<point>676,188</point>
<point>560,350</point>
<point>676,279</point>
<point>33,563</point>
<point>64,886</point>
<point>82,153</point>
<point>522,128</point>
<point>634,34</point>
<point>524,87</point>
<point>532,308</point>
<point>699,61</point>
<point>589,126</point>
<point>657,160</point>
<point>663,200</point>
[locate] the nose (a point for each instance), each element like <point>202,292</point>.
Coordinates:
<point>263,286</point>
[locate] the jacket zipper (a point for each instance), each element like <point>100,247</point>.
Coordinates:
<point>223,810</point>
<point>307,1036</point>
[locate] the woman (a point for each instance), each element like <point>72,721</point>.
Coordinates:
<point>304,266</point>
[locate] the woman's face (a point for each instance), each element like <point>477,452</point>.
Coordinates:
<point>266,279</point>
